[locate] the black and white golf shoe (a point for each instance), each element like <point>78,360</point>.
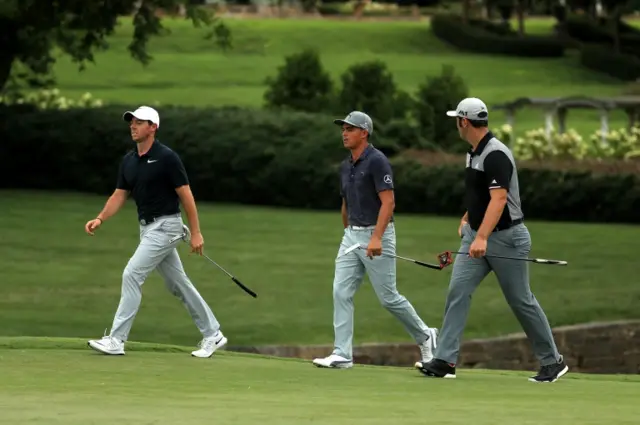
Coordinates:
<point>437,368</point>
<point>551,373</point>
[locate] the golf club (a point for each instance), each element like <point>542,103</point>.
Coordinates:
<point>420,263</point>
<point>446,257</point>
<point>186,237</point>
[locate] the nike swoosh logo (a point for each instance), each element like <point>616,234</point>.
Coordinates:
<point>218,341</point>
<point>150,161</point>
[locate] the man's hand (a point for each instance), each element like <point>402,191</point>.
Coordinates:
<point>478,248</point>
<point>92,225</point>
<point>197,242</point>
<point>462,223</point>
<point>375,247</point>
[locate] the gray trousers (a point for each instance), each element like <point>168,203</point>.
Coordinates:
<point>513,277</point>
<point>349,273</point>
<point>155,252</point>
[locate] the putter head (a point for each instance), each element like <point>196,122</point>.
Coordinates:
<point>187,234</point>
<point>350,249</point>
<point>445,259</point>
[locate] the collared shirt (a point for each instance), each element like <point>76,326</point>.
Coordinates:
<point>152,179</point>
<point>360,183</point>
<point>491,166</point>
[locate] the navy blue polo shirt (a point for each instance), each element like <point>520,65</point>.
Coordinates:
<point>360,183</point>
<point>152,179</point>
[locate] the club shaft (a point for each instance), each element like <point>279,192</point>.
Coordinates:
<point>533,260</point>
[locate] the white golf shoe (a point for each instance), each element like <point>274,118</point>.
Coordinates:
<point>107,345</point>
<point>208,346</point>
<point>428,348</point>
<point>333,361</point>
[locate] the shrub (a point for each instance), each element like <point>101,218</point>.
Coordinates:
<point>451,29</point>
<point>273,158</point>
<point>301,84</point>
<point>51,99</point>
<point>536,145</point>
<point>603,59</point>
<point>435,97</point>
<point>369,87</point>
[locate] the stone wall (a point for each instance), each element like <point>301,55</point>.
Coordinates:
<point>607,347</point>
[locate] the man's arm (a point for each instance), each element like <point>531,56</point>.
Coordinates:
<point>189,204</point>
<point>113,204</point>
<point>498,170</point>
<point>383,181</point>
<point>386,211</point>
<point>345,217</point>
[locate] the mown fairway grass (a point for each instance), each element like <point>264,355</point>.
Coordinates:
<point>72,385</point>
<point>57,281</point>
<point>191,71</point>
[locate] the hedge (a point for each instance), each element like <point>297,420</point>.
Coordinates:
<point>268,158</point>
<point>483,38</point>
<point>603,59</point>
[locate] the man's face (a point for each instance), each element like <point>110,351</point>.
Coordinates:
<point>141,130</point>
<point>352,137</point>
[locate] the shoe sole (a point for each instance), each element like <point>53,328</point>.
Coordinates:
<point>99,350</point>
<point>334,365</point>
<point>560,374</point>
<point>222,343</point>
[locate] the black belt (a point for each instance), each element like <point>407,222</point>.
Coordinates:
<point>150,219</point>
<point>509,225</point>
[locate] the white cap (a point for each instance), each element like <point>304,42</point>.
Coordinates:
<point>470,108</point>
<point>145,113</point>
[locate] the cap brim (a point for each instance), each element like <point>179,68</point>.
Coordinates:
<point>341,122</point>
<point>128,116</point>
<point>452,113</point>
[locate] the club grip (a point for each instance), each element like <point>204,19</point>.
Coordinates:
<point>431,266</point>
<point>247,290</point>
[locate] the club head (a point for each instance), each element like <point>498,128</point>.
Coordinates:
<point>185,236</point>
<point>350,249</point>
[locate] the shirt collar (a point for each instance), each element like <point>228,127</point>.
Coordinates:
<point>366,152</point>
<point>151,151</point>
<point>481,145</point>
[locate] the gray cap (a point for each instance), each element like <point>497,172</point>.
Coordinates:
<point>470,108</point>
<point>357,119</point>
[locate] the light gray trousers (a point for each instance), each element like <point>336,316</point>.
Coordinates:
<point>155,252</point>
<point>513,277</point>
<point>349,273</point>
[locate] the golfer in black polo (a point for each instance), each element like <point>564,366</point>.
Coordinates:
<point>155,177</point>
<point>366,186</point>
<point>493,225</point>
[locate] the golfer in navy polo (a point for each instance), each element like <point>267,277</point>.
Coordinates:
<point>366,187</point>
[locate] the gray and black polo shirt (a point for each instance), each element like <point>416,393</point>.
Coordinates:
<point>360,183</point>
<point>491,166</point>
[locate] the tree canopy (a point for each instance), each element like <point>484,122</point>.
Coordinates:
<point>31,30</point>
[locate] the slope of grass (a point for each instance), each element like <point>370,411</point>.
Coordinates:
<point>67,386</point>
<point>56,281</point>
<point>190,70</point>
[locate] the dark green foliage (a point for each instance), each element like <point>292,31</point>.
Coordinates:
<point>301,84</point>
<point>273,158</point>
<point>474,38</point>
<point>602,58</point>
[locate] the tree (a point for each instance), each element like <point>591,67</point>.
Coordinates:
<point>31,29</point>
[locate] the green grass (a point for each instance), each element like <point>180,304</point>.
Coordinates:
<point>70,386</point>
<point>189,70</point>
<point>59,282</point>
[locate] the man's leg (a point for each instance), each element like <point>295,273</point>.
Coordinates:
<point>466,276</point>
<point>513,277</point>
<point>382,274</point>
<point>151,251</point>
<point>348,276</point>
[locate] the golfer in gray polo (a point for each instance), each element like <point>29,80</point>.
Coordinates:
<point>492,225</point>
<point>366,188</point>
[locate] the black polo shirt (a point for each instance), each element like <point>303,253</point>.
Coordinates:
<point>360,183</point>
<point>491,166</point>
<point>152,180</point>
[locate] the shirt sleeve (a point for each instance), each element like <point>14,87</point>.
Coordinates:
<point>122,182</point>
<point>177,172</point>
<point>381,173</point>
<point>498,170</point>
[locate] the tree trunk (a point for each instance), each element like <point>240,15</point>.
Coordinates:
<point>520,5</point>
<point>615,28</point>
<point>466,11</point>
<point>6,62</point>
